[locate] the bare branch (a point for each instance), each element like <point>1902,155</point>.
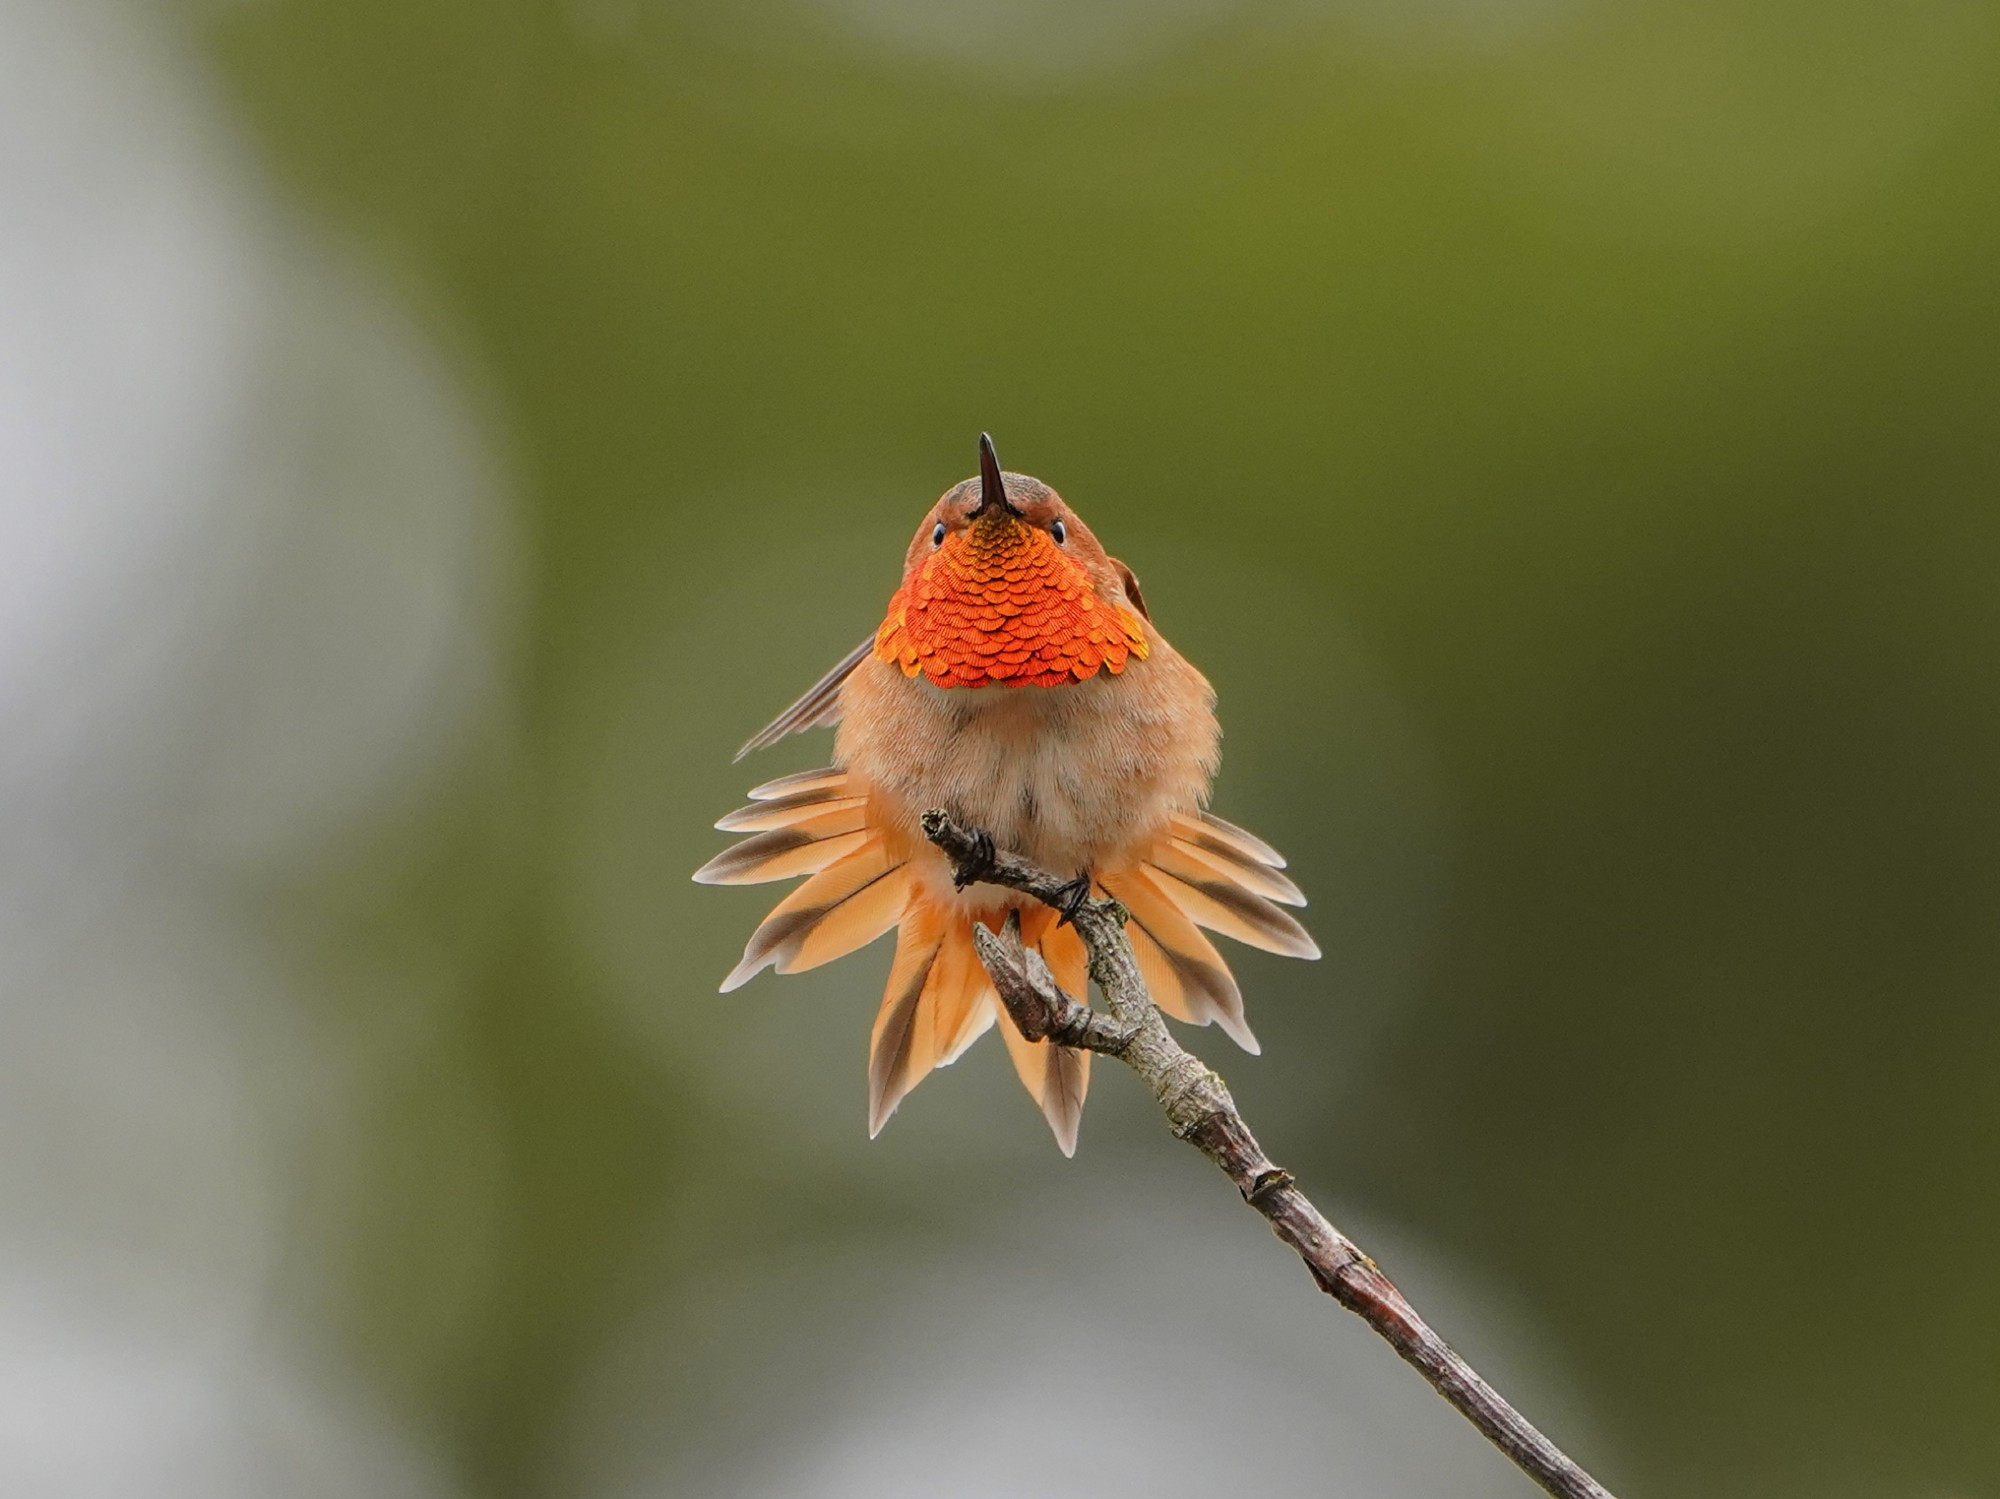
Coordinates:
<point>1199,1107</point>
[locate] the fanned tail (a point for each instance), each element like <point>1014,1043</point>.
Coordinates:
<point>1200,872</point>
<point>1204,872</point>
<point>811,824</point>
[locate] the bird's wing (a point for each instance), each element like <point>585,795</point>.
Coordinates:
<point>1131,581</point>
<point>818,709</point>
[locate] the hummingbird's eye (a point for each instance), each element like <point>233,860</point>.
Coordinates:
<point>937,535</point>
<point>1060,532</point>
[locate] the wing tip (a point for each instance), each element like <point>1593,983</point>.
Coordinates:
<point>764,738</point>
<point>818,708</point>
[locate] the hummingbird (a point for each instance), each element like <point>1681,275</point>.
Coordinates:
<point>1017,681</point>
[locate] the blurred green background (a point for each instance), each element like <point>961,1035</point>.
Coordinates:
<point>441,431</point>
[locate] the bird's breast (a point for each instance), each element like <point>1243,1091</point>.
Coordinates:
<point>1074,777</point>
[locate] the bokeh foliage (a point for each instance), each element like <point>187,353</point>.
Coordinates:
<point>1564,433</point>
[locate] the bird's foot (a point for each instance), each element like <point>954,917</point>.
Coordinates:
<point>1073,895</point>
<point>979,865</point>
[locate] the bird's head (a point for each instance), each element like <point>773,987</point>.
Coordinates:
<point>1003,583</point>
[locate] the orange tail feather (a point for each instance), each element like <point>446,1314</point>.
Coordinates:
<point>939,1000</point>
<point>863,879</point>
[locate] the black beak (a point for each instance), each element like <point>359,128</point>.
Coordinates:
<point>992,489</point>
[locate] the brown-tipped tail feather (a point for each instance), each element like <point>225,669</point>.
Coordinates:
<point>861,881</point>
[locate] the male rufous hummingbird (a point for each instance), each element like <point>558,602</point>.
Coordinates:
<point>1019,683</point>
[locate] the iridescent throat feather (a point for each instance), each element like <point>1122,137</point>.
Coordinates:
<point>1002,602</point>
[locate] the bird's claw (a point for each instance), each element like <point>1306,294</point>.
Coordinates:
<point>1072,897</point>
<point>979,865</point>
